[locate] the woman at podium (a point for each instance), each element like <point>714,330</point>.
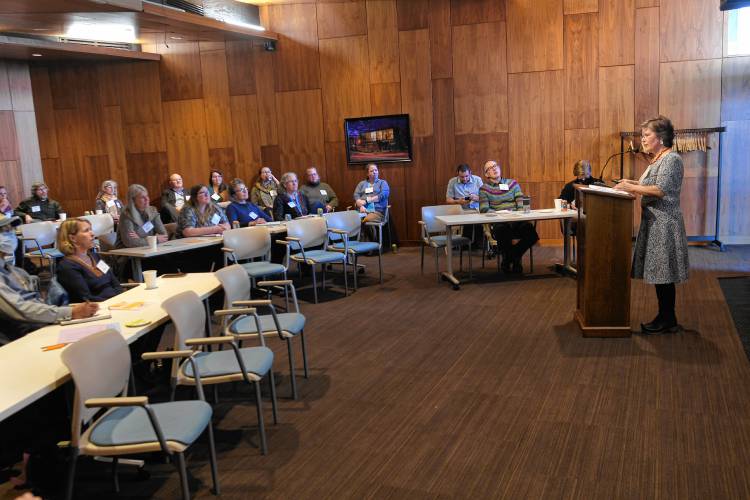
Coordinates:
<point>660,256</point>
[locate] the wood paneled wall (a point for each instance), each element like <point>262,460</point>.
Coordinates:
<point>536,85</point>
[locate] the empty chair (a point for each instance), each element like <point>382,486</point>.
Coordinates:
<point>434,233</point>
<point>304,235</point>
<point>248,244</point>
<point>238,363</point>
<point>350,222</point>
<point>39,240</point>
<point>103,227</point>
<point>100,366</point>
<point>286,325</point>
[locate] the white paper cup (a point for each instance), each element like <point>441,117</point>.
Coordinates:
<point>152,242</point>
<point>149,277</point>
<point>99,212</point>
<point>558,204</point>
<point>63,216</point>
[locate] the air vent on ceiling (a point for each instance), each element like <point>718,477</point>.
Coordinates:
<point>96,43</point>
<point>183,5</point>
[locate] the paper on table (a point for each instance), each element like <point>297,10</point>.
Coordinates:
<point>128,306</point>
<point>68,335</point>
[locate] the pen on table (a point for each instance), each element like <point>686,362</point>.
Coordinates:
<point>54,347</point>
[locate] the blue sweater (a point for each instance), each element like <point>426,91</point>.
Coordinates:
<point>241,212</point>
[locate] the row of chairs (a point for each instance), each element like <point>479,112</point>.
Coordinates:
<point>133,425</point>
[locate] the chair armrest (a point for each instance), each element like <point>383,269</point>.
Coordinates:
<point>338,231</point>
<point>274,283</point>
<point>282,242</point>
<point>210,340</point>
<point>227,249</point>
<point>148,356</point>
<point>292,238</point>
<point>251,303</point>
<point>115,402</point>
<point>233,312</point>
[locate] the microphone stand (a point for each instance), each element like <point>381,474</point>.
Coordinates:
<point>601,182</point>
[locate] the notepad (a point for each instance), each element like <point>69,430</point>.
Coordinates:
<point>69,335</point>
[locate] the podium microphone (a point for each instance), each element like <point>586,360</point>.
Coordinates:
<point>632,149</point>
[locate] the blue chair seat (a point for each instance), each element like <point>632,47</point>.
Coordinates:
<point>442,240</point>
<point>257,269</point>
<point>320,256</point>
<point>180,421</point>
<point>293,323</point>
<point>359,246</point>
<point>257,360</point>
<point>49,253</point>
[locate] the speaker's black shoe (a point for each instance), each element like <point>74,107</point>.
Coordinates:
<point>506,266</point>
<point>517,267</point>
<point>659,326</point>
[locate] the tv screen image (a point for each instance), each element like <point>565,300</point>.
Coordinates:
<point>378,139</point>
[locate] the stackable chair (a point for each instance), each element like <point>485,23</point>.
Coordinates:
<point>238,363</point>
<point>286,325</point>
<point>434,234</point>
<point>39,240</point>
<point>350,222</point>
<point>103,227</point>
<point>305,234</point>
<point>100,366</point>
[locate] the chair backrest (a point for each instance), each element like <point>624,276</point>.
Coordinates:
<point>310,231</point>
<point>101,224</point>
<point>100,366</point>
<point>43,232</point>
<point>347,220</point>
<point>171,228</point>
<point>248,242</point>
<point>236,284</point>
<point>431,224</point>
<point>188,316</point>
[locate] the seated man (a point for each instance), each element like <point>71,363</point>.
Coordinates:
<point>498,193</point>
<point>173,199</point>
<point>319,194</point>
<point>582,171</point>
<point>39,207</point>
<point>21,306</point>
<point>464,190</point>
<point>371,197</point>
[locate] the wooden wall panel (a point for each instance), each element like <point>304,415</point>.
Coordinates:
<point>735,177</point>
<point>5,101</point>
<point>581,144</point>
<point>241,67</point>
<point>646,64</point>
<point>150,170</point>
<point>698,199</point>
<point>690,93</point>
<point>690,29</point>
<point>385,98</point>
<point>45,116</point>
<point>297,66</point>
<point>20,86</point>
<point>580,6</point>
<point>115,144</point>
<point>265,85</point>
<point>537,146</point>
<point>735,89</point>
<point>63,84</point>
<point>413,14</point>
<point>109,75</point>
<point>271,157</point>
<point>246,131</point>
<point>442,105</point>
<point>337,19</point>
<point>416,87</point>
<point>180,71</point>
<point>345,87</point>
<point>581,71</point>
<point>616,32</point>
<point>216,99</point>
<point>142,115</point>
<point>476,11</point>
<point>28,146</point>
<point>480,78</point>
<point>419,180</point>
<point>382,38</point>
<point>616,112</point>
<point>476,149</point>
<point>8,137</point>
<point>301,139</point>
<point>344,178</point>
<point>639,4</point>
<point>441,49</point>
<point>535,35</point>
<point>543,195</point>
<point>187,143</point>
<point>222,159</point>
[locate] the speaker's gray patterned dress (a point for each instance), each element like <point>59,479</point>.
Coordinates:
<point>661,247</point>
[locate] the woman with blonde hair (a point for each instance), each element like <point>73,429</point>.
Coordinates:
<point>107,201</point>
<point>81,272</point>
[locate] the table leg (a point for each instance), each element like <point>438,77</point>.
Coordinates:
<point>135,266</point>
<point>448,275</point>
<point>567,266</point>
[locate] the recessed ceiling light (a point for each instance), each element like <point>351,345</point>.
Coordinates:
<point>175,37</point>
<point>36,54</point>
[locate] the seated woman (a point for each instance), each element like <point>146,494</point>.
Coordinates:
<point>291,202</point>
<point>81,272</point>
<point>241,210</point>
<point>582,171</point>
<point>199,216</point>
<point>139,220</point>
<point>6,208</point>
<point>107,201</point>
<point>217,189</point>
<point>265,190</point>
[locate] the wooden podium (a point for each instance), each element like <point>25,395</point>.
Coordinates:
<point>604,235</point>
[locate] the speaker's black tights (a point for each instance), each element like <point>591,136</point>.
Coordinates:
<point>665,293</point>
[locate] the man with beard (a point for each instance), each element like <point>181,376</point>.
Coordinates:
<point>319,194</point>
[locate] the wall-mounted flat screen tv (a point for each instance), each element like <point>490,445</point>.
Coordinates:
<point>378,139</point>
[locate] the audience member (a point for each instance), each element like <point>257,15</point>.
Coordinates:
<point>200,216</point>
<point>291,201</point>
<point>217,189</point>
<point>319,194</point>
<point>265,190</point>
<point>173,199</point>
<point>139,220</point>
<point>498,193</point>
<point>464,189</point>
<point>39,207</point>
<point>107,201</point>
<point>242,211</point>
<point>5,206</point>
<point>371,197</point>
<point>582,171</point>
<point>21,306</point>
<point>81,272</point>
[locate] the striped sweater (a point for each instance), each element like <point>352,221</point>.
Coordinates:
<point>492,197</point>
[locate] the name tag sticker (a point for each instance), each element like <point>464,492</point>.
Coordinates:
<point>253,215</point>
<point>36,208</point>
<point>102,266</point>
<point>187,197</point>
<point>368,190</point>
<point>110,203</point>
<point>504,187</point>
<point>215,197</point>
<point>147,227</point>
<point>215,219</point>
<point>324,192</point>
<point>291,204</point>
<point>272,192</point>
